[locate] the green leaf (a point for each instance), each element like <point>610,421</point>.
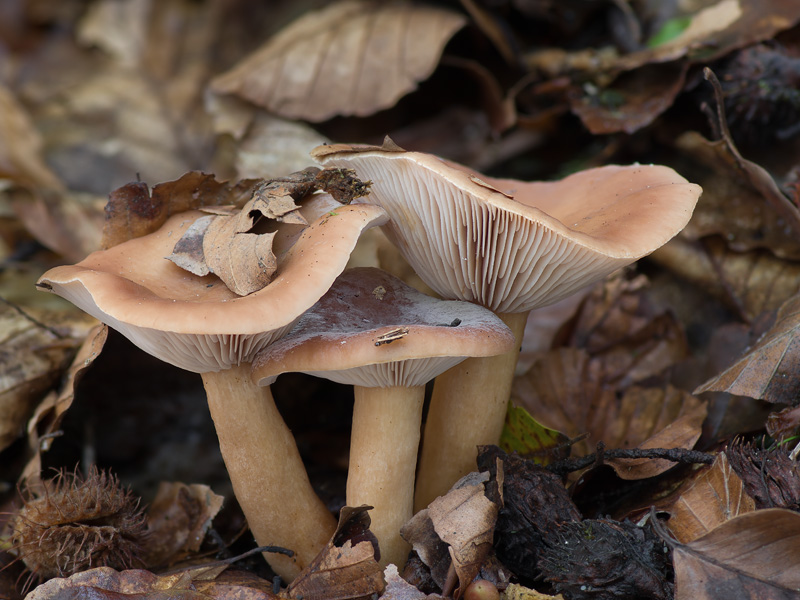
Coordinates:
<point>669,31</point>
<point>525,436</point>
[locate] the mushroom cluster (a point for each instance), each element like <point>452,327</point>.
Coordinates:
<point>511,246</point>
<point>493,249</point>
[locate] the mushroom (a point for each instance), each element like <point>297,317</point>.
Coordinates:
<point>198,324</point>
<point>388,340</point>
<point>510,246</point>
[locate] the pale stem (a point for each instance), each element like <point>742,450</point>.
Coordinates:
<point>467,410</point>
<point>383,458</point>
<point>267,473</point>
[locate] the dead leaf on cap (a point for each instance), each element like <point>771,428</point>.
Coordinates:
<point>133,211</point>
<point>350,58</point>
<point>347,568</point>
<point>715,497</point>
<point>769,370</point>
<point>178,519</point>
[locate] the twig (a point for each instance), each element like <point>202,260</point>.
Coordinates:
<point>676,455</point>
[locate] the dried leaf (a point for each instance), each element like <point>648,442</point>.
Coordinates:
<point>669,418</point>
<point>632,101</point>
<point>769,371</point>
<point>347,568</point>
<point>514,591</point>
<point>398,588</point>
<point>732,205</point>
<point>353,57</point>
<point>750,282</point>
<point>715,497</point>
<point>566,394</point>
<point>755,555</point>
<point>132,211</point>
<point>461,524</point>
<point>177,521</point>
<point>193,584</point>
<point>36,348</point>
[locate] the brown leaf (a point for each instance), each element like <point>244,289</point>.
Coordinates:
<point>132,211</point>
<point>715,497</point>
<point>464,519</point>
<point>731,204</point>
<point>193,584</point>
<point>398,588</point>
<point>353,57</point>
<point>177,521</point>
<point>347,568</point>
<point>632,101</point>
<point>750,282</point>
<point>36,347</point>
<point>769,371</point>
<point>563,391</point>
<point>47,417</point>
<point>755,555</point>
<point>668,418</point>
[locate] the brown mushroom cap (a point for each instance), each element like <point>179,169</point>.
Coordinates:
<point>372,330</point>
<point>513,246</point>
<point>197,323</point>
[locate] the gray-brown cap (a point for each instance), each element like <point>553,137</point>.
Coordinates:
<point>372,330</point>
<point>511,245</point>
<point>197,323</point>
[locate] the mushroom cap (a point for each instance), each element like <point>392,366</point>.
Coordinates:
<point>197,323</point>
<point>513,246</point>
<point>373,330</point>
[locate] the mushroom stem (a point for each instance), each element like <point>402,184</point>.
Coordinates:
<point>383,458</point>
<point>477,391</point>
<point>267,473</point>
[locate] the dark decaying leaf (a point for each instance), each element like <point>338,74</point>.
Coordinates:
<point>715,497</point>
<point>347,568</point>
<point>535,502</point>
<point>769,371</point>
<point>177,521</point>
<point>770,476</point>
<point>754,556</point>
<point>133,210</point>
<point>606,559</point>
<point>353,57</point>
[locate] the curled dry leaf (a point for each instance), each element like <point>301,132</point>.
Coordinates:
<point>461,524</point>
<point>732,204</point>
<point>756,554</point>
<point>198,583</point>
<point>398,588</point>
<point>347,568</point>
<point>769,371</point>
<point>47,416</point>
<point>133,210</point>
<point>715,497</point>
<point>177,521</point>
<point>354,57</point>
